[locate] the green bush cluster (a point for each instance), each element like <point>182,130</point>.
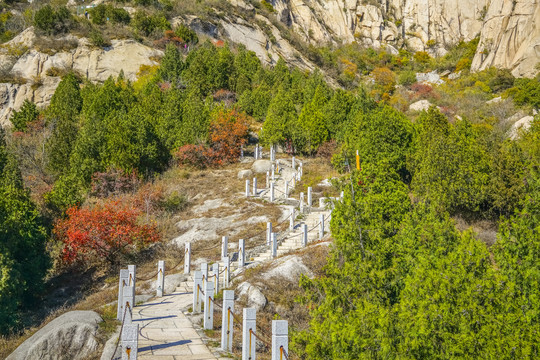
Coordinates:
<point>102,13</point>
<point>53,21</point>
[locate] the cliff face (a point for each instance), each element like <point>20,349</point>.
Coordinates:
<point>510,37</point>
<point>509,29</point>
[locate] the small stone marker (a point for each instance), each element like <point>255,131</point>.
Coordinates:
<point>272,191</point>
<point>224,246</point>
<point>274,245</point>
<point>130,335</point>
<point>321,226</point>
<point>227,320</point>
<point>160,278</point>
<point>122,281</point>
<point>247,187</point>
<point>197,286</point>
<point>291,219</point>
<point>187,258</point>
<point>254,186</point>
<point>280,339</point>
<point>309,196</point>
<point>241,253</point>
<point>215,276</point>
<point>209,306</point>
<point>304,235</point>
<point>268,232</point>
<point>248,334</point>
<point>227,272</point>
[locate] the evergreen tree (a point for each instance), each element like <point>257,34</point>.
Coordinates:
<point>65,105</point>
<point>280,120</point>
<point>312,123</point>
<point>171,64</point>
<point>26,114</point>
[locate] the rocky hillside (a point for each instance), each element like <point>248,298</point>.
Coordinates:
<point>509,38</point>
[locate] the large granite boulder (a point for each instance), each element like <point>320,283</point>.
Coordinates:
<point>71,336</point>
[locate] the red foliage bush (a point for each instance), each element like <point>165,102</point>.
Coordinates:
<point>228,133</point>
<point>104,232</point>
<point>169,37</point>
<point>424,91</point>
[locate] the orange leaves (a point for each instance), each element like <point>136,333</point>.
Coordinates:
<point>103,232</point>
<point>228,133</point>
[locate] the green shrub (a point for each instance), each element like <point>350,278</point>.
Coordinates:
<point>26,114</point>
<point>147,24</point>
<point>53,21</point>
<point>407,77</point>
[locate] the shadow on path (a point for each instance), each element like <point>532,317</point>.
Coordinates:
<point>164,346</point>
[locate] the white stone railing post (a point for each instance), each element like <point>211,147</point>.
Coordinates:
<point>291,219</point>
<point>227,320</point>
<point>187,258</point>
<point>197,286</point>
<point>309,196</point>
<point>254,186</point>
<point>224,246</point>
<point>204,270</point>
<point>215,276</point>
<point>280,339</point>
<point>247,187</point>
<point>127,304</point>
<point>301,202</point>
<point>122,281</point>
<point>304,235</point>
<point>130,343</point>
<point>248,334</point>
<point>274,245</point>
<point>286,189</point>
<point>209,306</point>
<point>293,163</point>
<point>267,179</point>
<point>268,232</point>
<point>241,253</point>
<point>272,191</point>
<point>132,281</point>
<point>273,172</point>
<point>227,272</point>
<point>160,278</point>
<point>321,226</point>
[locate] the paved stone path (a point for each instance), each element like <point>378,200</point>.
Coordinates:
<point>165,333</point>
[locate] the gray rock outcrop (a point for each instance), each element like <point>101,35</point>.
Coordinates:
<point>255,298</point>
<point>261,166</point>
<point>70,336</point>
<point>289,267</point>
<point>420,105</point>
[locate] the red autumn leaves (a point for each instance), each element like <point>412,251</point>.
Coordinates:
<point>104,232</point>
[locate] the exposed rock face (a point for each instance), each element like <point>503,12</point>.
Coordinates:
<point>510,37</point>
<point>509,30</point>
<point>69,336</point>
<point>289,267</point>
<point>94,63</point>
<point>522,124</point>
